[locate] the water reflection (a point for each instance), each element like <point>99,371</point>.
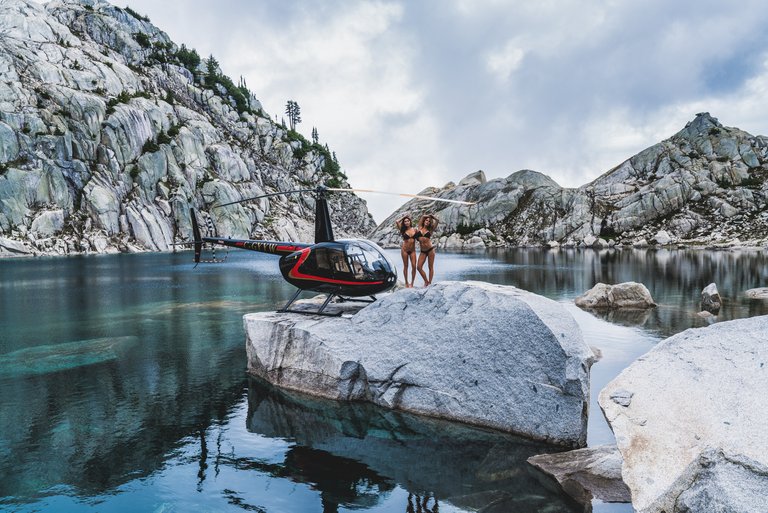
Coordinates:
<point>122,384</point>
<point>674,277</point>
<point>347,450</point>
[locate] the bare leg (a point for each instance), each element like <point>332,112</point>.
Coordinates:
<point>405,267</point>
<point>431,262</point>
<point>422,259</point>
<point>413,267</point>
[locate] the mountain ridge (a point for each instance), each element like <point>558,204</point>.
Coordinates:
<point>705,185</point>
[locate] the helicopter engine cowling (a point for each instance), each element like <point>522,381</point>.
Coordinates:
<point>345,267</point>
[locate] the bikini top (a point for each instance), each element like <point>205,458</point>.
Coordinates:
<point>409,237</point>
<point>428,235</point>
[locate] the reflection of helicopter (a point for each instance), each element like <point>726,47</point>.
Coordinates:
<point>343,268</point>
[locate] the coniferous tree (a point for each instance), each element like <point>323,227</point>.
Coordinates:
<point>212,75</point>
<point>314,134</point>
<point>293,111</point>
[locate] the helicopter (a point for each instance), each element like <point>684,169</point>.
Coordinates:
<point>345,268</point>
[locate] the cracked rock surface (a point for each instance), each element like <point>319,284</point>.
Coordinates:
<point>690,423</point>
<point>482,354</point>
<point>107,141</point>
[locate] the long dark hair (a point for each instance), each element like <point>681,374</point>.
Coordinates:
<point>403,228</point>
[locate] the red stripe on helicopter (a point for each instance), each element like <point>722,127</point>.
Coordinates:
<point>294,273</point>
<point>288,248</point>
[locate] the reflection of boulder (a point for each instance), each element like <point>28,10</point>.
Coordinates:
<point>689,420</point>
<point>478,353</point>
<point>449,462</point>
<point>624,317</point>
<point>621,295</point>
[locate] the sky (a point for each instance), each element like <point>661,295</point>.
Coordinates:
<point>412,94</point>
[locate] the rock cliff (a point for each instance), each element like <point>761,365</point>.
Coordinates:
<point>707,184</point>
<point>110,132</point>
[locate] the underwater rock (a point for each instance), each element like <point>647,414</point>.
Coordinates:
<point>695,425</point>
<point>482,354</point>
<point>63,356</point>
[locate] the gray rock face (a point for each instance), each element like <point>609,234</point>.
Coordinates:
<point>707,184</point>
<point>710,299</point>
<point>107,140</point>
<point>758,293</point>
<point>621,295</point>
<point>487,355</point>
<point>586,474</point>
<point>692,434</point>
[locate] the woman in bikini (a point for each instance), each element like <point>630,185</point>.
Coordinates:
<point>427,226</point>
<point>408,248</point>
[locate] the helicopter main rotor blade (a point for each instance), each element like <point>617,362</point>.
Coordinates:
<point>431,198</point>
<point>263,196</point>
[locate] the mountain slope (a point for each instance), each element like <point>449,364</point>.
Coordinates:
<point>707,184</point>
<point>109,133</point>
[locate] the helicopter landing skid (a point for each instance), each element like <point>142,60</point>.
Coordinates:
<point>345,299</point>
<point>287,307</point>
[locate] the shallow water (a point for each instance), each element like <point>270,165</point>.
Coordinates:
<point>123,388</point>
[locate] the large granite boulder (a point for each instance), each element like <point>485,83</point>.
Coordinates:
<point>689,420</point>
<point>621,295</point>
<point>473,352</point>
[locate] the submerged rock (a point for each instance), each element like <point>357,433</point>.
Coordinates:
<point>586,474</point>
<point>692,432</point>
<point>621,295</point>
<point>482,354</point>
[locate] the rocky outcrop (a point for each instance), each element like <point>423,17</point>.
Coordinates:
<point>109,133</point>
<point>586,474</point>
<point>758,293</point>
<point>622,295</point>
<point>689,422</point>
<point>707,184</point>
<point>710,299</point>
<point>483,354</point>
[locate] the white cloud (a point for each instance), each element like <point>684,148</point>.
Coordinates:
<point>401,90</point>
<point>504,62</point>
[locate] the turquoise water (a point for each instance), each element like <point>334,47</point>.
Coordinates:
<point>123,388</point>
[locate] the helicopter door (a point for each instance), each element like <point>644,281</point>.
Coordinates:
<point>330,263</point>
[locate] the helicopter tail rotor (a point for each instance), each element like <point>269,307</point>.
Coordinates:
<point>198,239</point>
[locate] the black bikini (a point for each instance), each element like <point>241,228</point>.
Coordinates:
<point>427,235</point>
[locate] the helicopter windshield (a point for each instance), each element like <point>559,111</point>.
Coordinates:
<point>364,260</point>
<point>350,260</point>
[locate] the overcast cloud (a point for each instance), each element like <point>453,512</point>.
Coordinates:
<point>412,94</point>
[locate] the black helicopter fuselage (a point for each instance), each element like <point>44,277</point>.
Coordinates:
<point>350,267</point>
<point>346,268</point>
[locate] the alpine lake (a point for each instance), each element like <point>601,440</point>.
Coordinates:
<point>123,387</point>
